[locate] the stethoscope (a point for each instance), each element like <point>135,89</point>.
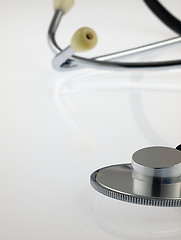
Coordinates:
<point>85,39</point>
<point>154,176</point>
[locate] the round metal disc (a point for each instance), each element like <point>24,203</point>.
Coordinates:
<point>117,182</point>
<point>157,161</point>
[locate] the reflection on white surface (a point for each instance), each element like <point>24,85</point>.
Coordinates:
<point>134,222</point>
<point>82,141</point>
<point>147,95</point>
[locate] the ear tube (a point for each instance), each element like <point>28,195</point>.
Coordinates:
<point>84,39</point>
<point>63,5</point>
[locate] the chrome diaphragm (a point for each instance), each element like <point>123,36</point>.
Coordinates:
<point>153,178</point>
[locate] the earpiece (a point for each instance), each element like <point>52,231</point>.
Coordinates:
<point>64,5</point>
<point>84,39</point>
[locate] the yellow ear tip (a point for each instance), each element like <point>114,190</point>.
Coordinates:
<point>84,39</point>
<point>63,5</point>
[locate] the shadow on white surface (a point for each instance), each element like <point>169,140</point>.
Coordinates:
<point>134,222</point>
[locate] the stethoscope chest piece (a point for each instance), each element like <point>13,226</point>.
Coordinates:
<point>153,178</point>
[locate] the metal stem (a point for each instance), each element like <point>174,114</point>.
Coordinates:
<point>52,31</point>
<point>136,50</point>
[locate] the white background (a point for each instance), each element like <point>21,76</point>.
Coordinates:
<point>57,128</point>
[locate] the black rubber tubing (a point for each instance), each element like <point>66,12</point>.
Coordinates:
<point>165,16</point>
<point>178,147</point>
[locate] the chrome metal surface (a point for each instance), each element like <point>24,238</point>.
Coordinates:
<point>62,57</point>
<point>52,31</point>
<point>105,62</point>
<point>160,162</point>
<point>154,178</point>
<point>137,50</point>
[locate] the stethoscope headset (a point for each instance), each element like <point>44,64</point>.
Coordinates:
<point>85,39</point>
